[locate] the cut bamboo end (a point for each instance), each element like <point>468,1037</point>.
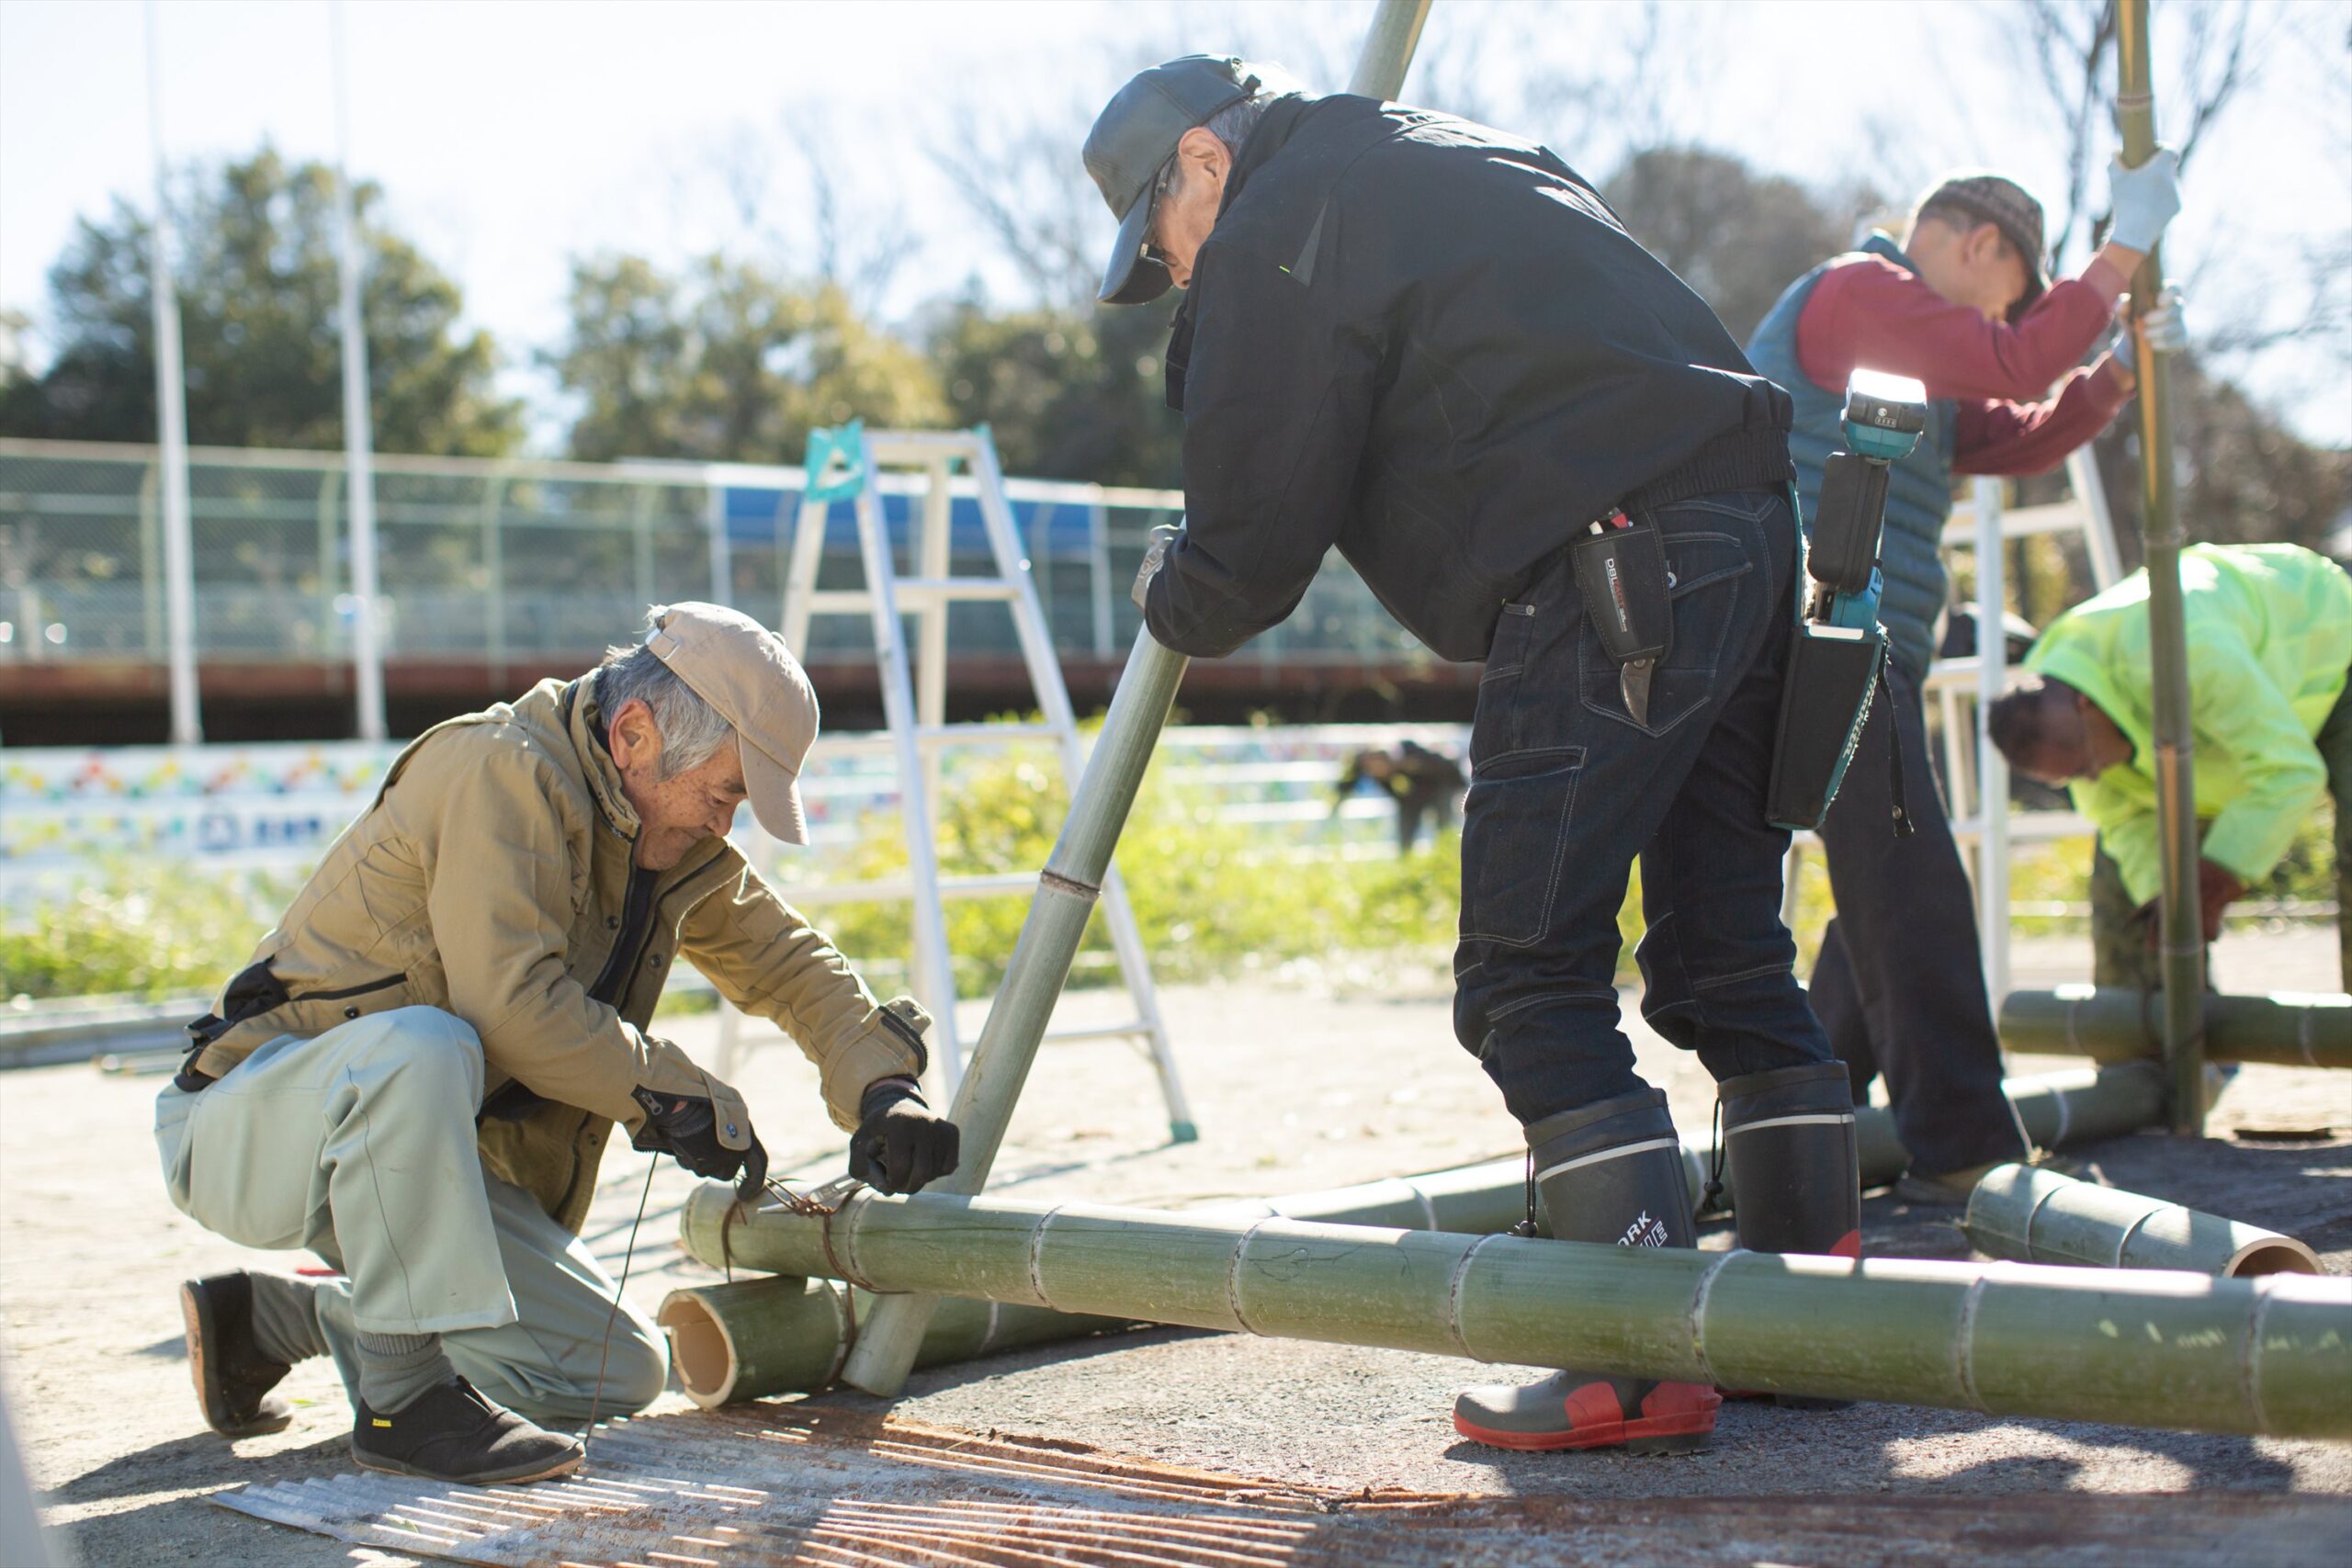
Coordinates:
<point>2041,1216</point>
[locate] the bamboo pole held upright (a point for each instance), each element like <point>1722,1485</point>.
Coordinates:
<point>1049,937</point>
<point>2182,932</point>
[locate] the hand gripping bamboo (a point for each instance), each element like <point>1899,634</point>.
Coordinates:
<point>1042,953</point>
<point>2264,1356</point>
<point>2181,924</point>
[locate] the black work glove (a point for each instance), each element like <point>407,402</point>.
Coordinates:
<point>900,1145</point>
<point>689,1130</point>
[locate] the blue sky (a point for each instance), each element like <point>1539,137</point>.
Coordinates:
<point>511,136</point>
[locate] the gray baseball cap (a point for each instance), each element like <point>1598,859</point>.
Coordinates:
<point>1137,132</point>
<point>1996,200</point>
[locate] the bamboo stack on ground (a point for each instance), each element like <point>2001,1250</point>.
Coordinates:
<point>2267,1356</point>
<point>755,1338</point>
<point>2039,1216</point>
<point>2288,1029</point>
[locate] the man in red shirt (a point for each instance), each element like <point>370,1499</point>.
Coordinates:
<point>1963,306</point>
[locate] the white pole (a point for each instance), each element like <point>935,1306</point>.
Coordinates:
<point>1992,768</point>
<point>367,656</point>
<point>171,420</point>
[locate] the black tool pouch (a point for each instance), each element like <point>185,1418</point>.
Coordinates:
<point>1833,675</point>
<point>1621,574</point>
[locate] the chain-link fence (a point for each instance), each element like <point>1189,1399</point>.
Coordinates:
<point>492,562</point>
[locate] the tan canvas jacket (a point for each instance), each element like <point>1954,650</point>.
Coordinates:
<point>489,878</point>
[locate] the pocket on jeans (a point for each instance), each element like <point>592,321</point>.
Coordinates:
<point>1705,572</point>
<point>1514,840</point>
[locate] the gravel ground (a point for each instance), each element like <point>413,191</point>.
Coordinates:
<point>1305,1080</point>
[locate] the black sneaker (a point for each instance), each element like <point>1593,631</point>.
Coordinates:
<point>452,1433</point>
<point>233,1378</point>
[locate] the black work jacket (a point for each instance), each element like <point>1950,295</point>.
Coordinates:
<point>1433,345</point>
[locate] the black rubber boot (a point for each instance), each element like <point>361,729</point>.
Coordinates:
<point>233,1378</point>
<point>1796,1171</point>
<point>1609,1173</point>
<point>452,1433</point>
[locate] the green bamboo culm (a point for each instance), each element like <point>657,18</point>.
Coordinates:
<point>1049,937</point>
<point>2308,1029</point>
<point>2182,935</point>
<point>2041,1216</point>
<point>2267,1356</point>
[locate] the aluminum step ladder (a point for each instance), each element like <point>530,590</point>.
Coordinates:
<point>848,464</point>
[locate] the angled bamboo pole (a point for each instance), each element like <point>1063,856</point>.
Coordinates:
<point>2039,1216</point>
<point>1049,937</point>
<point>2270,1355</point>
<point>2180,925</point>
<point>2290,1029</point>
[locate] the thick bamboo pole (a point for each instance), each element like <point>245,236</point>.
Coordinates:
<point>1049,937</point>
<point>779,1333</point>
<point>2270,1355</point>
<point>2039,1216</point>
<point>2182,936</point>
<point>2292,1029</point>
<point>776,1342</point>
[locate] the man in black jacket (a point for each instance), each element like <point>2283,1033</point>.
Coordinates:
<point>1432,345</point>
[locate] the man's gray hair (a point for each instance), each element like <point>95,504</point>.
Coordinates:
<point>1233,123</point>
<point>692,730</point>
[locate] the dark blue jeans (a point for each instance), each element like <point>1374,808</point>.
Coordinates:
<point>1566,790</point>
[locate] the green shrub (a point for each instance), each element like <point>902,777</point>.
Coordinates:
<point>150,930</point>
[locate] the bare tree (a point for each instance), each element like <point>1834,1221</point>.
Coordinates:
<point>2067,48</point>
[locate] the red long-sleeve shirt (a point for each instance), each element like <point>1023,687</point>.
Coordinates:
<point>1871,312</point>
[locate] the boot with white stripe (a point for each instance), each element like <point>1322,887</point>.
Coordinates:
<point>1609,1173</point>
<point>1795,1172</point>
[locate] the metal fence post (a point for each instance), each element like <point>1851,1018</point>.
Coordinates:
<point>642,525</point>
<point>358,433</point>
<point>151,562</point>
<point>171,418</point>
<point>1098,567</point>
<point>722,558</point>
<point>493,572</point>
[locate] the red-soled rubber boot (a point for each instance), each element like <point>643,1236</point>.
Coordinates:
<point>1795,1172</point>
<point>1609,1173</point>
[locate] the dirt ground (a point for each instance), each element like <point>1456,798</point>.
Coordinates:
<point>1305,1080</point>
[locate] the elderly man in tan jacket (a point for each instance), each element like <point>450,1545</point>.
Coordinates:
<point>416,1075</point>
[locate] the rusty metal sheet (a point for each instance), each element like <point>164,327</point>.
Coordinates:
<point>802,1483</point>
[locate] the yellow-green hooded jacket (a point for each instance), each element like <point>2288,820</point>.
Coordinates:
<point>2269,640</point>
<point>489,878</point>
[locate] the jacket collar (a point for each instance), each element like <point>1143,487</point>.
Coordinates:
<point>583,723</point>
<point>1881,244</point>
<point>1273,131</point>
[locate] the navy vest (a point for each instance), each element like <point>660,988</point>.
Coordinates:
<point>1918,490</point>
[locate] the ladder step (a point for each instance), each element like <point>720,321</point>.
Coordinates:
<point>1132,1028</point>
<point>983,734</point>
<point>916,592</point>
<point>920,446</point>
<point>896,889</point>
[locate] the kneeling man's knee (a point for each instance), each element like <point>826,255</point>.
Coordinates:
<point>640,1366</point>
<point>426,1042</point>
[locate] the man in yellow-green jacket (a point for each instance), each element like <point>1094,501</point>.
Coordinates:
<point>2269,642</point>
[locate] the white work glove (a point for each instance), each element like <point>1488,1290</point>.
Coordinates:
<point>2143,200</point>
<point>2162,326</point>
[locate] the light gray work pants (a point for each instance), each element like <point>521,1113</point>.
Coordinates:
<point>358,1145</point>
